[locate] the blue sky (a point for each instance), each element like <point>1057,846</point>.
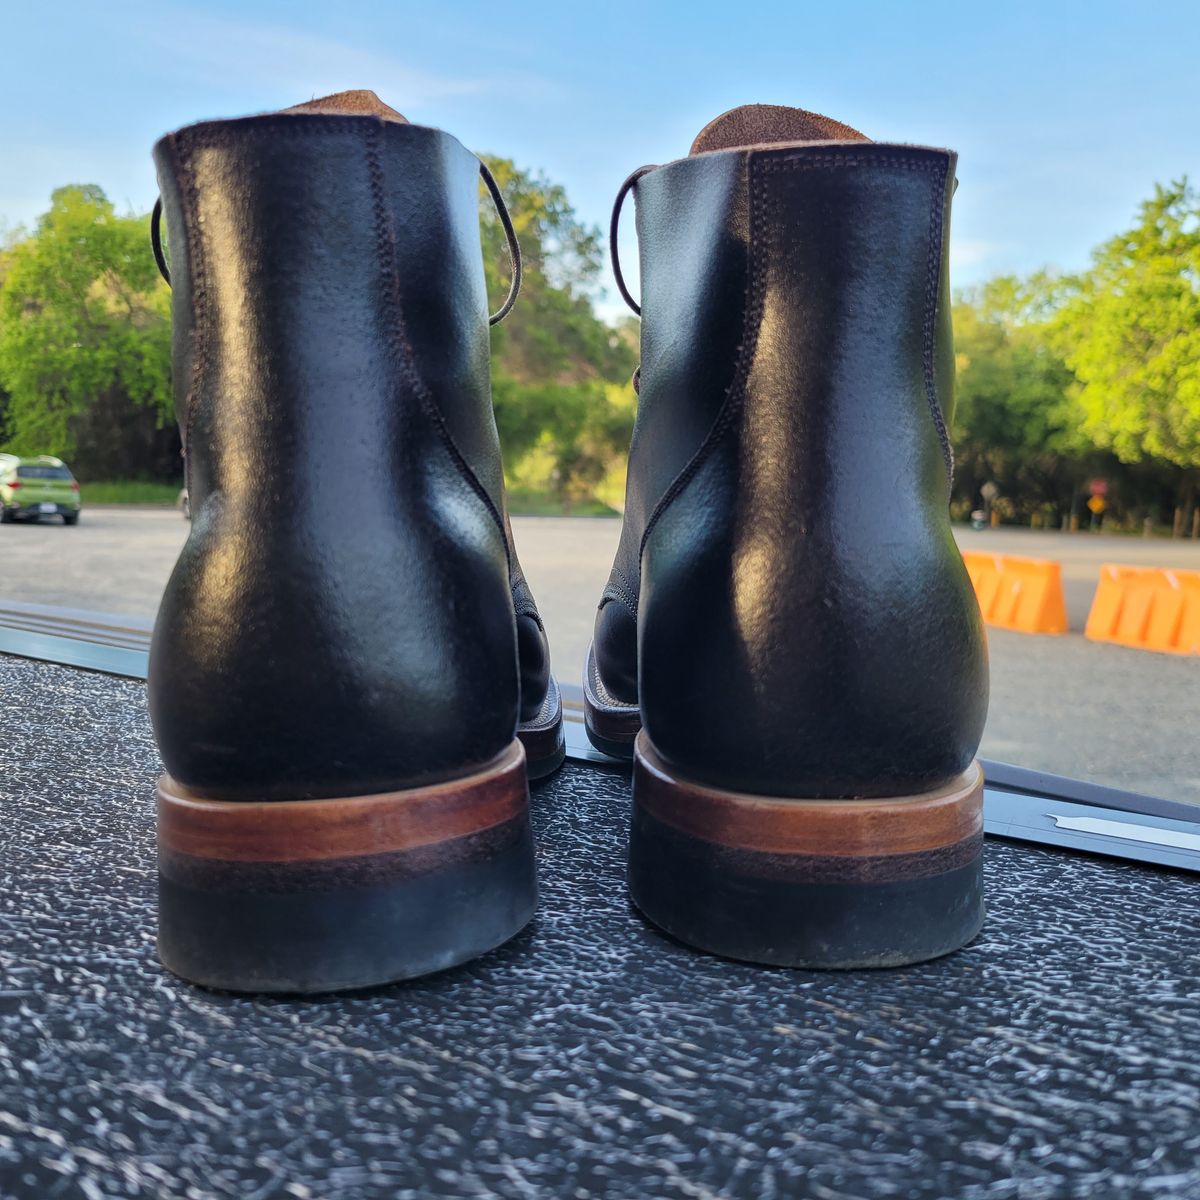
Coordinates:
<point>1064,114</point>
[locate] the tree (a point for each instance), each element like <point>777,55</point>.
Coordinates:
<point>1132,334</point>
<point>553,333</point>
<point>560,375</point>
<point>5,423</point>
<point>85,341</point>
<point>1015,421</point>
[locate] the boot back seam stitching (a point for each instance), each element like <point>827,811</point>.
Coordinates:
<point>758,168</point>
<point>184,144</point>
<point>386,241</point>
<point>198,286</point>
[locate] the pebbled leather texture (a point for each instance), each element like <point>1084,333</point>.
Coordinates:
<point>805,623</point>
<point>341,619</point>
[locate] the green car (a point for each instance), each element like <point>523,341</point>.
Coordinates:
<point>37,487</point>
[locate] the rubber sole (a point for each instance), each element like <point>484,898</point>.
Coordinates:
<point>619,748</point>
<point>612,727</point>
<point>543,738</point>
<point>328,895</point>
<point>551,752</point>
<point>835,884</point>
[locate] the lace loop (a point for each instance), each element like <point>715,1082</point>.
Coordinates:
<point>514,246</point>
<point>614,228</point>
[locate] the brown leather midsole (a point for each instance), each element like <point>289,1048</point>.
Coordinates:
<point>899,825</point>
<point>343,827</point>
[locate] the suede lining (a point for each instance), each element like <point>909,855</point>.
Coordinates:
<point>360,102</point>
<point>770,124</point>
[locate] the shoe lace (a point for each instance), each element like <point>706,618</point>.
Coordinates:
<point>614,229</point>
<point>514,246</point>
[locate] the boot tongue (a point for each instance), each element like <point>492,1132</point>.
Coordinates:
<point>762,124</point>
<point>357,103</point>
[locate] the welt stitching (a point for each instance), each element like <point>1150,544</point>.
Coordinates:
<point>756,296</point>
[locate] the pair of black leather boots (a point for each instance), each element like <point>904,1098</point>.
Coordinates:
<point>349,681</point>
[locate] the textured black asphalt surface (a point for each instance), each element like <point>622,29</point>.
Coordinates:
<point>1056,1056</point>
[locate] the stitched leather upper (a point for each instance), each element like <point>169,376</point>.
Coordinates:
<point>340,620</point>
<point>805,623</point>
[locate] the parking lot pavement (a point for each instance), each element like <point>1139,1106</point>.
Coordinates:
<point>1123,717</point>
<point>115,560</point>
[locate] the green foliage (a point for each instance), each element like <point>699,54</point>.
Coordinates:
<point>552,357</point>
<point>85,341</point>
<point>1132,334</point>
<point>5,422</point>
<point>1015,424</point>
<point>84,335</point>
<point>564,438</point>
<point>553,333</point>
<point>535,502</point>
<point>1060,379</point>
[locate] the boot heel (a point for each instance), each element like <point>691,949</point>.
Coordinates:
<point>325,895</point>
<point>807,883</point>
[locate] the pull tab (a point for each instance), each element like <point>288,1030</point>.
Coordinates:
<point>514,246</point>
<point>614,229</point>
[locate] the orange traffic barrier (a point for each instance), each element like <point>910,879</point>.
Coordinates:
<point>1148,608</point>
<point>1025,594</point>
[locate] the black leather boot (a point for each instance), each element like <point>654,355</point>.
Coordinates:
<point>788,622</point>
<point>347,644</point>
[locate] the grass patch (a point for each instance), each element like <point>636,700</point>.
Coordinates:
<point>527,502</point>
<point>129,492</point>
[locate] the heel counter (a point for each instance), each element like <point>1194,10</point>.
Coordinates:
<point>334,661</point>
<point>807,548</point>
<point>341,618</point>
<point>844,671</point>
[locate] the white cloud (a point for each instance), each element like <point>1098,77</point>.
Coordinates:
<point>224,52</point>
